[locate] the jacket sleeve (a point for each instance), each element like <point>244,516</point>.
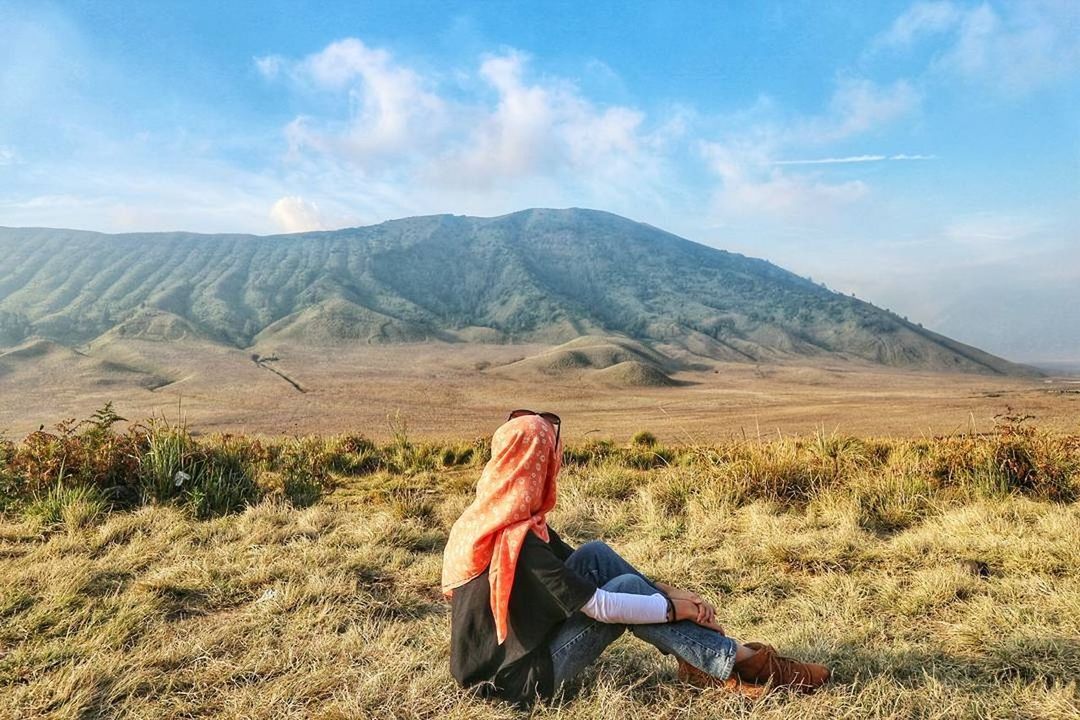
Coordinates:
<point>560,548</point>
<point>546,581</point>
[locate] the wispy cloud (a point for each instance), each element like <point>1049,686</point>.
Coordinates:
<point>751,185</point>
<point>755,179</point>
<point>858,105</point>
<point>918,21</point>
<point>1014,49</point>
<point>269,66</point>
<point>853,159</point>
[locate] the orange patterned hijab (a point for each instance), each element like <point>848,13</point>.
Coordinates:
<point>513,496</point>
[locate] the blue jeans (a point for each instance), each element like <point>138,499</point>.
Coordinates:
<point>580,640</point>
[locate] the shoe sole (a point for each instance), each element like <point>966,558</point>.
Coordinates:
<point>733,685</point>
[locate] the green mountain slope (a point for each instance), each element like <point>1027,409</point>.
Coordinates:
<point>536,275</point>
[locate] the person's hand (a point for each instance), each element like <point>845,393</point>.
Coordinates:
<point>686,609</point>
<point>706,612</point>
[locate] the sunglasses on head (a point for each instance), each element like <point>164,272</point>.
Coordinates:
<point>549,416</point>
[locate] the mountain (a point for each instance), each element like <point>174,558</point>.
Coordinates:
<point>541,276</point>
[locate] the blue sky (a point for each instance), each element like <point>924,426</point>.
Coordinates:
<point>923,155</point>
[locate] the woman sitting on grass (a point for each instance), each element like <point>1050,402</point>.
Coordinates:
<point>529,612</point>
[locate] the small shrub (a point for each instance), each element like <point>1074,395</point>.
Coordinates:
<point>405,457</point>
<point>10,483</point>
<point>169,460</point>
<point>413,504</point>
<point>305,466</point>
<point>892,502</point>
<point>362,462</point>
<point>220,490</point>
<point>449,457</point>
<point>353,455</point>
<point>1016,459</point>
<point>354,444</point>
<point>71,506</point>
<point>780,476</point>
<point>647,458</point>
<point>643,439</point>
<point>213,480</point>
<point>93,456</point>
<point>481,450</point>
<point>591,452</point>
<point>457,455</point>
<point>878,452</point>
<point>612,484</point>
<point>302,490</point>
<point>671,494</point>
<point>411,459</point>
<point>890,484</point>
<point>838,457</point>
<point>1034,463</point>
<point>986,480</point>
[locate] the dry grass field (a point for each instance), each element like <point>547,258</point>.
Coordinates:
<point>447,391</point>
<point>940,578</point>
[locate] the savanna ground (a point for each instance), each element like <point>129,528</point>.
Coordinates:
<point>460,390</point>
<point>149,573</point>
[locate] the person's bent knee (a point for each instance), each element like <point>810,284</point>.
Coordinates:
<point>595,548</point>
<point>629,583</point>
<point>593,553</point>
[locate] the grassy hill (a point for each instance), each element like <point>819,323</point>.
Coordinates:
<point>536,275</point>
<point>612,361</point>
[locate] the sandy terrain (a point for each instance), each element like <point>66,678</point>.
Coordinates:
<point>459,390</point>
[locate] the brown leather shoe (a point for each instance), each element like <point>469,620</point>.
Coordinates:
<point>699,678</point>
<point>766,666</point>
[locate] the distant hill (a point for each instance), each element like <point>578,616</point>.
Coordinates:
<point>546,276</point>
<point>605,360</point>
<point>37,357</point>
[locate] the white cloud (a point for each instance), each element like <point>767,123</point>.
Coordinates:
<point>833,160</point>
<point>755,179</point>
<point>750,184</point>
<point>859,105</point>
<point>1020,48</point>
<point>546,129</point>
<point>8,156</point>
<point>269,66</point>
<point>922,18</point>
<point>515,138</point>
<point>295,214</point>
<point>379,137</point>
<point>391,110</point>
<point>500,137</point>
<point>486,141</point>
<point>849,159</point>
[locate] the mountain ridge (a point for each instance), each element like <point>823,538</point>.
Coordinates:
<point>538,275</point>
